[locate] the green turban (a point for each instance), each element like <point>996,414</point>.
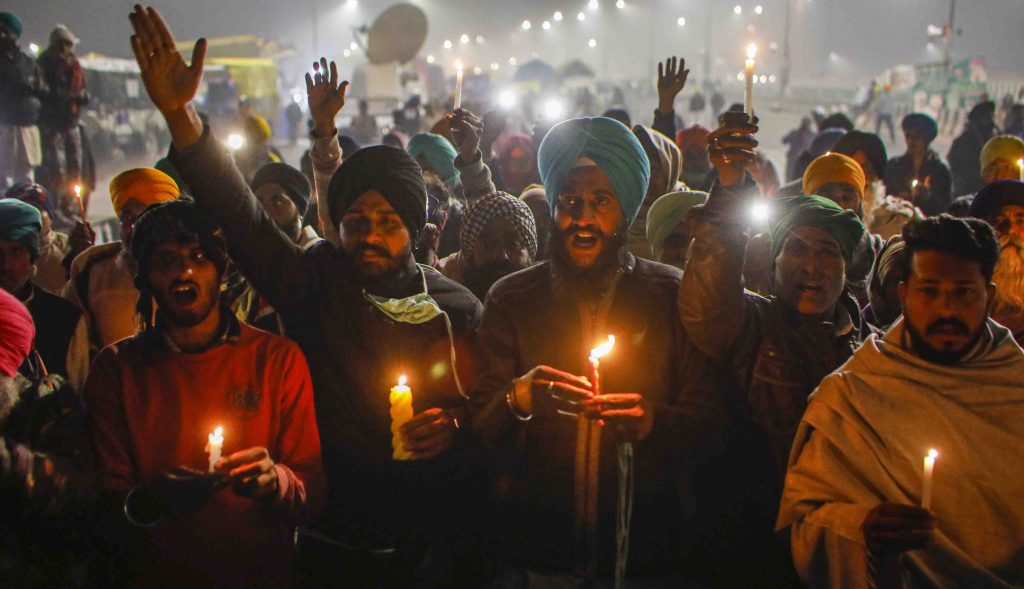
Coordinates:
<point>439,152</point>
<point>22,222</point>
<point>607,143</point>
<point>667,213</point>
<point>815,211</point>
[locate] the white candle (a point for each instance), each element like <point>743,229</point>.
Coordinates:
<point>926,479</point>
<point>595,363</point>
<point>401,412</point>
<point>214,444</point>
<point>458,85</point>
<point>748,93</point>
<point>1020,170</point>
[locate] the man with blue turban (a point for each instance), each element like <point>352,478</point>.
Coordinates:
<point>551,430</point>
<point>919,175</point>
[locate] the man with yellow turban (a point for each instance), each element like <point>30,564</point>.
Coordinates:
<point>102,277</point>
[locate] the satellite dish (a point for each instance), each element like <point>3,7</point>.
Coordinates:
<point>398,35</point>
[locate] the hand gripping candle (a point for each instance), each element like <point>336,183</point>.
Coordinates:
<point>748,70</point>
<point>401,412</point>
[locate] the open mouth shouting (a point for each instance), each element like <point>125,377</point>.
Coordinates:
<point>185,294</point>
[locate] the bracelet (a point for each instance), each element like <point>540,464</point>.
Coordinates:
<point>128,514</point>
<point>510,401</point>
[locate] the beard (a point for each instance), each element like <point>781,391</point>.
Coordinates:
<point>934,355</point>
<point>1008,307</point>
<point>590,281</point>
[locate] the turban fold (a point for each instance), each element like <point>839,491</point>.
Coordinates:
<point>887,267</point>
<point>497,205</point>
<point>391,172</point>
<point>667,213</point>
<point>1002,147</point>
<point>833,167</point>
<point>146,185</point>
<point>295,184</point>
<point>995,196</point>
<point>439,152</point>
<point>815,211</point>
<point>21,222</point>
<point>922,123</point>
<point>610,145</point>
<point>17,334</point>
<point>33,194</point>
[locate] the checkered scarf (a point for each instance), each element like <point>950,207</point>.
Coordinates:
<point>497,205</point>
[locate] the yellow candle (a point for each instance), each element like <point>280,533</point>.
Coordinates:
<point>215,442</point>
<point>1020,170</point>
<point>401,412</point>
<point>748,93</point>
<point>926,482</point>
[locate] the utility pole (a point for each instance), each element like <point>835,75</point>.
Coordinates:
<point>707,43</point>
<point>316,30</point>
<point>786,57</point>
<point>948,45</point>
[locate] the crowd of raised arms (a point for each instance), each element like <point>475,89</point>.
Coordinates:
<point>481,359</point>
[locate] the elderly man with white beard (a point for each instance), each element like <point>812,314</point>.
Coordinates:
<point>1002,205</point>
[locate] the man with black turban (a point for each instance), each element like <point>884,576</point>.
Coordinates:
<point>554,437</point>
<point>919,176</point>
<point>777,348</point>
<point>366,315</point>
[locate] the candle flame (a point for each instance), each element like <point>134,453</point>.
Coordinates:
<point>78,190</point>
<point>1020,163</point>
<point>401,381</point>
<point>751,51</point>
<point>603,349</point>
<point>914,183</point>
<point>458,65</point>
<point>217,437</point>
<point>933,454</point>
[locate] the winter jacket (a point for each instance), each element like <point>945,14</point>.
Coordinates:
<point>62,337</point>
<point>65,93</point>
<point>934,174</point>
<point>529,320</point>
<point>964,157</point>
<point>356,354</point>
<point>776,358</point>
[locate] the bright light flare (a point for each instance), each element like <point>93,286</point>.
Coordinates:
<point>603,349</point>
<point>236,141</point>
<point>752,51</point>
<point>554,109</point>
<point>760,212</point>
<point>507,98</point>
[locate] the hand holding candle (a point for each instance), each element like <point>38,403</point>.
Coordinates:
<point>926,482</point>
<point>401,412</point>
<point>748,70</point>
<point>214,444</point>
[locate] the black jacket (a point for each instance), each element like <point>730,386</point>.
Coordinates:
<point>355,354</point>
<point>529,320</point>
<point>19,88</point>
<point>56,320</point>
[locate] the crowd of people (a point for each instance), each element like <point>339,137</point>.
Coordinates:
<point>473,358</point>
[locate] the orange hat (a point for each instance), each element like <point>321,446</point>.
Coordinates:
<point>833,167</point>
<point>146,185</point>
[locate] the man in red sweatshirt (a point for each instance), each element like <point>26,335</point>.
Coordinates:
<point>153,401</point>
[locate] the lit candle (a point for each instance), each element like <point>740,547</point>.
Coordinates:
<point>401,412</point>
<point>926,479</point>
<point>81,206</point>
<point>913,184</point>
<point>748,93</point>
<point>595,363</point>
<point>1020,170</point>
<point>214,444</point>
<point>458,85</point>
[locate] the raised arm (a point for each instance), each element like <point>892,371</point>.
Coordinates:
<point>267,257</point>
<point>326,98</point>
<point>468,131</point>
<point>713,307</point>
<point>671,80</point>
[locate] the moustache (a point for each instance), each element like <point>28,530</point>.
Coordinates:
<point>947,327</point>
<point>372,249</point>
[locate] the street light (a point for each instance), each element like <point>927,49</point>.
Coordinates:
<point>526,25</point>
<point>620,4</point>
<point>737,9</point>
<point>464,39</point>
<point>581,16</point>
<point>592,43</point>
<point>447,43</point>
<point>546,25</point>
<point>593,5</point>
<point>681,21</point>
<point>759,9</point>
<point>558,16</point>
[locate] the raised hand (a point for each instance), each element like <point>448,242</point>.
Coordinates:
<point>467,130</point>
<point>170,82</point>
<point>731,146</point>
<point>325,96</point>
<point>671,80</point>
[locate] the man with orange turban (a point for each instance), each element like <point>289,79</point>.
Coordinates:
<point>102,277</point>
